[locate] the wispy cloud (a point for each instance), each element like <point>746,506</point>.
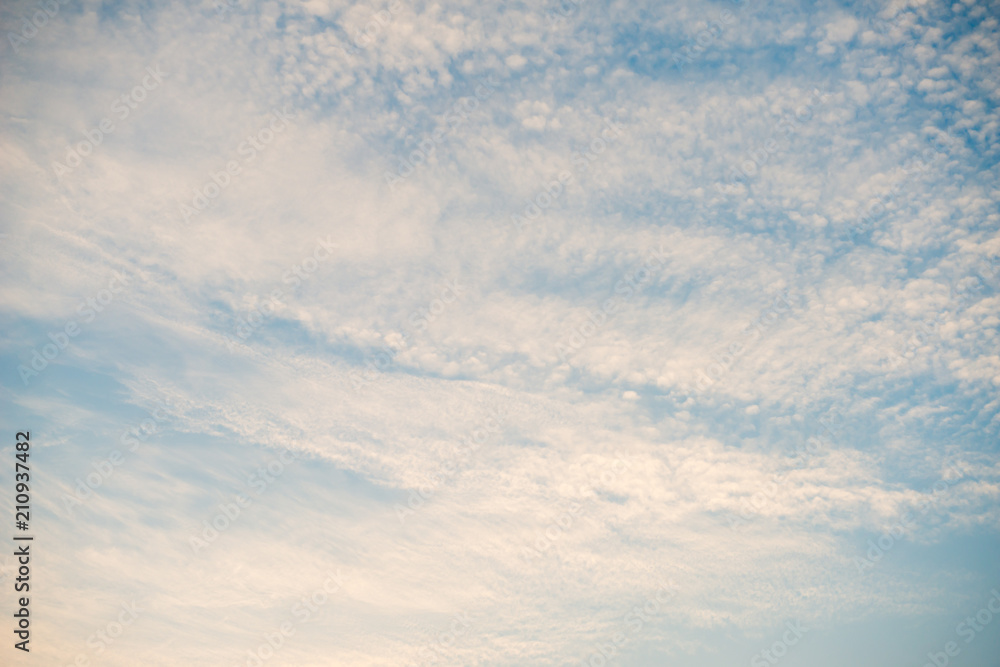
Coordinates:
<point>548,304</point>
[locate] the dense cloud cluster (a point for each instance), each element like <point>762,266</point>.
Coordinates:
<point>808,192</point>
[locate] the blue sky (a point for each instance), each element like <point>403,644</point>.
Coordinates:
<point>518,334</point>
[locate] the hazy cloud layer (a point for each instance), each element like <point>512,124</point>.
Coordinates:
<point>558,311</point>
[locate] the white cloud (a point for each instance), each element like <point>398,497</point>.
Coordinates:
<point>696,455</point>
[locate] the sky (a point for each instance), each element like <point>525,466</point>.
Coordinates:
<point>497,333</point>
